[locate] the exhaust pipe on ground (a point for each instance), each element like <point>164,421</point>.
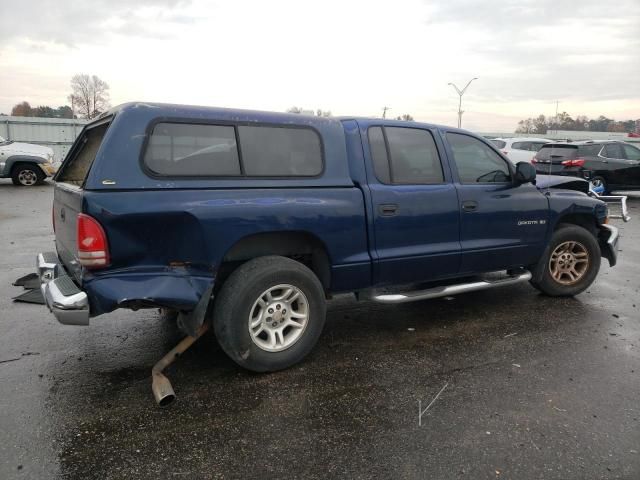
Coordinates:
<point>160,385</point>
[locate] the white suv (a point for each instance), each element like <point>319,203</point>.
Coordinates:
<point>519,149</point>
<point>26,164</point>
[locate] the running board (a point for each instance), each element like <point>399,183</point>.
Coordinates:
<point>450,290</point>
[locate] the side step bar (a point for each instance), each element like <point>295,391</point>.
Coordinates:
<point>450,289</point>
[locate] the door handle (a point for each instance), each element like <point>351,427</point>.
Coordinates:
<point>469,206</point>
<point>388,210</point>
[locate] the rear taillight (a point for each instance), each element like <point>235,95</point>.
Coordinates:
<point>93,250</point>
<point>533,159</point>
<point>576,162</point>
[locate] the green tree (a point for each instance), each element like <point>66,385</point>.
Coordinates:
<point>22,109</point>
<point>44,111</point>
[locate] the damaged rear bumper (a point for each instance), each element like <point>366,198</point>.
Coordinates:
<point>67,302</point>
<point>176,288</point>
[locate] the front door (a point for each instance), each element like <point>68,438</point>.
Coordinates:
<point>415,213</point>
<point>502,224</point>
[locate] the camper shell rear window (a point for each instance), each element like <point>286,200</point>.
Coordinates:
<point>76,168</point>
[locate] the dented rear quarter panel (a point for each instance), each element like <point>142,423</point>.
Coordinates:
<point>168,236</point>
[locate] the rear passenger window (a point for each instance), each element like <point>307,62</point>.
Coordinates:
<point>280,151</point>
<point>613,150</point>
<point>476,162</point>
<point>413,154</point>
<point>522,146</point>
<point>183,149</point>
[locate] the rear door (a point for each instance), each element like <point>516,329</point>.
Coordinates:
<point>632,154</point>
<point>415,214</point>
<point>502,224</point>
<point>621,169</point>
<point>67,197</point>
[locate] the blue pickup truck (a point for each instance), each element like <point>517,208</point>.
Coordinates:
<point>248,221</point>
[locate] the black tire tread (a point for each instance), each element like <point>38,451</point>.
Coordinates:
<point>542,279</point>
<point>16,168</point>
<point>227,305</point>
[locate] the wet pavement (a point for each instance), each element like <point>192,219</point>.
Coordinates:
<point>529,387</point>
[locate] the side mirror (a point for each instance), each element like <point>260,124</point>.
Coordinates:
<point>525,173</point>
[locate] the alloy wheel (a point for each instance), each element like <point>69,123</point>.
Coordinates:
<point>569,263</point>
<point>278,318</point>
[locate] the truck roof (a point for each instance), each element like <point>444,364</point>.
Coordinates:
<point>172,110</point>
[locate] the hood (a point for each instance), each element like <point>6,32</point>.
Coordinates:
<point>562,182</point>
<point>18,148</point>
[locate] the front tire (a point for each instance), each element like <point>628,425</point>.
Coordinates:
<point>570,263</point>
<point>599,185</point>
<point>269,313</point>
<point>25,175</point>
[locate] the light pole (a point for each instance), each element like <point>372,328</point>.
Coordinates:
<point>460,93</point>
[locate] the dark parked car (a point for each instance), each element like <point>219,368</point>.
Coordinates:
<point>248,221</point>
<point>608,165</point>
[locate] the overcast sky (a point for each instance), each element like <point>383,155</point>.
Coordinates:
<point>350,57</point>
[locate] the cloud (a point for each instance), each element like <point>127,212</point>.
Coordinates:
<point>351,57</point>
<point>548,49</point>
<point>86,22</point>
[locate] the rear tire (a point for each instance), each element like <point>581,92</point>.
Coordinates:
<point>262,297</point>
<point>26,175</point>
<point>570,263</point>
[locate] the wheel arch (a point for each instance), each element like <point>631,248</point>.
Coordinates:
<point>583,220</point>
<point>14,160</point>
<point>298,245</point>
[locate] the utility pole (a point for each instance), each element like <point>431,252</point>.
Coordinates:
<point>460,93</point>
<point>556,122</point>
<point>384,111</point>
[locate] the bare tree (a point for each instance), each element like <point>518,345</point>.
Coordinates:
<point>90,96</point>
<point>406,117</point>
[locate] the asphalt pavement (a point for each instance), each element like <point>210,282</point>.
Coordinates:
<point>497,384</point>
